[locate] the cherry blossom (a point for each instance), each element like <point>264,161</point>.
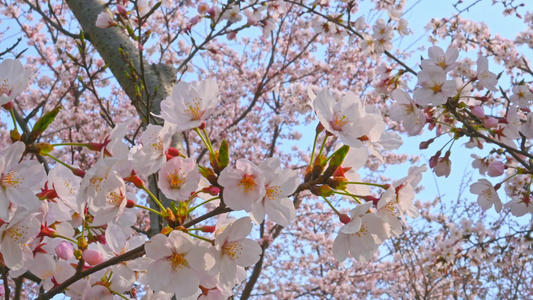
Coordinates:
<point>345,118</point>
<point>235,251</point>
<point>434,88</point>
<point>13,79</point>
<point>244,186</point>
<point>178,178</point>
<point>487,195</point>
<point>360,237</point>
<point>18,180</point>
<point>177,259</point>
<point>437,57</point>
<point>190,103</point>
<point>406,110</point>
<point>279,184</point>
<point>486,79</point>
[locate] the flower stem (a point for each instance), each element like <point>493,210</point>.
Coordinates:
<point>200,237</point>
<point>349,195</point>
<point>314,147</point>
<point>323,145</point>
<point>383,186</point>
<point>154,198</point>
<point>331,205</point>
<point>59,161</point>
<point>149,209</point>
<point>206,142</point>
<point>70,144</point>
<point>207,201</point>
<point>66,238</point>
<point>14,120</point>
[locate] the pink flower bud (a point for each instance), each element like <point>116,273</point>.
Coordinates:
<point>122,10</point>
<point>478,111</point>
<point>93,257</point>
<point>211,12</point>
<point>251,21</point>
<point>490,122</point>
<point>496,168</point>
<point>65,250</point>
<point>344,218</point>
<point>231,35</point>
<point>194,20</point>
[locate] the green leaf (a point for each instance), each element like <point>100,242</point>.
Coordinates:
<point>223,155</point>
<point>43,123</point>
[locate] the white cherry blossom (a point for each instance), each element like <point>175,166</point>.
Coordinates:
<point>13,79</point>
<point>18,180</point>
<point>406,110</point>
<point>345,118</point>
<point>278,185</point>
<point>190,103</point>
<point>487,195</point>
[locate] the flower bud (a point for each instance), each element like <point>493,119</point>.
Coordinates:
<point>93,257</point>
<point>496,168</point>
<point>344,218</point>
<point>211,190</point>
<point>209,229</point>
<point>478,111</point>
<point>425,144</point>
<point>490,122</point>
<point>65,250</point>
<point>323,190</point>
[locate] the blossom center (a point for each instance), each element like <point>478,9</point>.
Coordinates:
<point>114,198</point>
<point>18,234</point>
<point>441,62</point>
<point>5,88</point>
<point>362,231</point>
<point>437,87</point>
<point>157,145</point>
<point>248,182</point>
<point>273,192</point>
<point>12,179</point>
<point>177,261</point>
<point>338,122</point>
<point>193,109</point>
<point>175,180</point>
<point>232,250</point>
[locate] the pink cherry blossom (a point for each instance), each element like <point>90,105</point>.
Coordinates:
<point>104,20</point>
<point>496,168</point>
<point>93,257</point>
<point>244,186</point>
<point>235,251</point>
<point>487,195</point>
<point>178,178</point>
<point>176,262</point>
<point>65,250</point>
